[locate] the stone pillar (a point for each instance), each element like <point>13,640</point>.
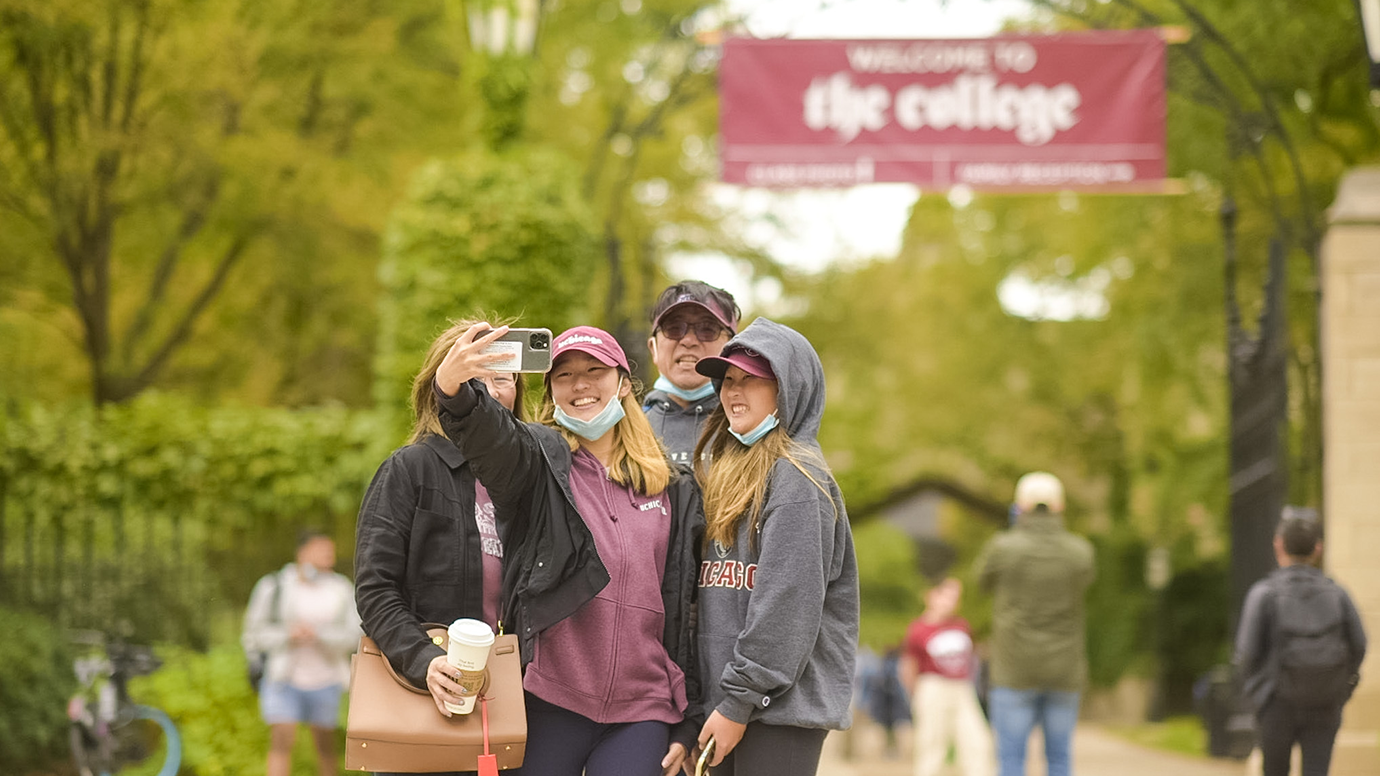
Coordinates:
<point>1351,425</point>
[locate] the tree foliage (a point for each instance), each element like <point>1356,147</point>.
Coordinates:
<point>178,172</point>
<point>482,234</point>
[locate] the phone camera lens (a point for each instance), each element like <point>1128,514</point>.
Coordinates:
<point>540,341</point>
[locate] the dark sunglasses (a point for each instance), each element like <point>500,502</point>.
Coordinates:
<point>704,331</point>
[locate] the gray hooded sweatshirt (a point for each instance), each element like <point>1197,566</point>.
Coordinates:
<point>778,617</point>
<point>678,427</point>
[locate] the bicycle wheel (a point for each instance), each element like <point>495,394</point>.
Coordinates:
<point>172,759</point>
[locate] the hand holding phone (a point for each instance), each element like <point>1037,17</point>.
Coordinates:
<point>702,765</point>
<point>466,359</point>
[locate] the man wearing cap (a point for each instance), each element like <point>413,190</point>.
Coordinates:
<point>690,321</point>
<point>1038,573</point>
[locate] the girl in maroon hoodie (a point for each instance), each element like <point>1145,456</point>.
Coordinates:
<point>605,535</point>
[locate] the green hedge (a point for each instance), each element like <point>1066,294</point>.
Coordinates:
<point>36,679</point>
<point>142,518</point>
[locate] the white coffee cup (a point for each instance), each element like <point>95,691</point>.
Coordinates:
<point>470,642</point>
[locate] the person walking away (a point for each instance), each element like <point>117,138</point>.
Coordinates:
<point>1299,646</point>
<point>428,548</point>
<point>890,707</point>
<point>304,618</point>
<point>1038,573</point>
<point>778,612</point>
<point>937,670</point>
<point>602,585</point>
<point>690,321</point>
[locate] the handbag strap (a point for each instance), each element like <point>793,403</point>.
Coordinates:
<point>438,635</point>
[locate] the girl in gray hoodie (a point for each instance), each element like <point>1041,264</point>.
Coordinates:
<point>778,586</point>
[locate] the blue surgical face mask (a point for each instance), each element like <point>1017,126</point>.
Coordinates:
<point>599,425</point>
<point>702,392</point>
<point>750,438</point>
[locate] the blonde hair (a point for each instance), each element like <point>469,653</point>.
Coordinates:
<point>638,459</point>
<point>734,476</point>
<point>426,417</point>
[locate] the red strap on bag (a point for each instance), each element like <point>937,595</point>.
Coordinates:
<point>488,763</point>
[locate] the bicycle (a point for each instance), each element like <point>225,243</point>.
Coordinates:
<point>102,733</point>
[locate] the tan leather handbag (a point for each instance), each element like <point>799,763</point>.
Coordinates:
<point>395,727</point>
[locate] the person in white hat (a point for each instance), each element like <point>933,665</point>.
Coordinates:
<point>1038,573</point>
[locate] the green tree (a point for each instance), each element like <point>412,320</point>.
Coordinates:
<point>175,172</point>
<point>481,234</point>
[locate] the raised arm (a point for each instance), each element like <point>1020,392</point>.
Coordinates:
<point>503,453</point>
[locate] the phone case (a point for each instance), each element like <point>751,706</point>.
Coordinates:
<point>528,350</point>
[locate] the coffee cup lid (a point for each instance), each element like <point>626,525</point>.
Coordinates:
<point>473,632</point>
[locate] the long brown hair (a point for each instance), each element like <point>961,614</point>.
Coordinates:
<point>638,461</point>
<point>734,476</point>
<point>426,418</point>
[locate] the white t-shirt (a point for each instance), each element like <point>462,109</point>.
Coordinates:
<point>316,603</point>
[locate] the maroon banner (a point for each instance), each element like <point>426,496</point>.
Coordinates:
<point>1017,112</point>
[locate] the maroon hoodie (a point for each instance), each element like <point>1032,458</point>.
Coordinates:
<point>606,662</point>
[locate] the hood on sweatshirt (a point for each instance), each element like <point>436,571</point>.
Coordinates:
<point>799,376</point>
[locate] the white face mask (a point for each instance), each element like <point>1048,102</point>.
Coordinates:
<point>702,392</point>
<point>750,438</point>
<point>599,425</point>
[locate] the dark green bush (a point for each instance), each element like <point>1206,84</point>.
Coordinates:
<point>36,680</point>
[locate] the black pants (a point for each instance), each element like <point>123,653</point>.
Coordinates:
<point>1282,725</point>
<point>774,750</point>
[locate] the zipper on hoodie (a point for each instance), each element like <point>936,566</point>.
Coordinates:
<point>622,581</point>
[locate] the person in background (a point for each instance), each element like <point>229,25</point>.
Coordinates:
<point>937,670</point>
<point>304,618</point>
<point>778,611</point>
<point>690,321</point>
<point>603,585</point>
<point>428,548</point>
<point>1038,573</point>
<point>1299,645</point>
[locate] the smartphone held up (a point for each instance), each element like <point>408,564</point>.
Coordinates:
<point>527,350</point>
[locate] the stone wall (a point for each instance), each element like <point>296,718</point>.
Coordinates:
<point>1351,425</point>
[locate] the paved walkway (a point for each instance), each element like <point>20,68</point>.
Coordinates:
<point>1096,752</point>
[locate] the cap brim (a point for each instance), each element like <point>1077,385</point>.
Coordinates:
<point>693,303</point>
<point>715,367</point>
<point>712,367</point>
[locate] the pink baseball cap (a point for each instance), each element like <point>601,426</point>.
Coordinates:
<point>594,341</point>
<point>746,359</point>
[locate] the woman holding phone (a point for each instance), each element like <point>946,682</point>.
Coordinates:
<point>605,536</point>
<point>778,603</point>
<point>427,546</point>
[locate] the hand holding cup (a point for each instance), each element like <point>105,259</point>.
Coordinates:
<point>468,653</point>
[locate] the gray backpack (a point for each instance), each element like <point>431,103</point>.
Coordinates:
<point>1314,656</point>
<point>258,660</point>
